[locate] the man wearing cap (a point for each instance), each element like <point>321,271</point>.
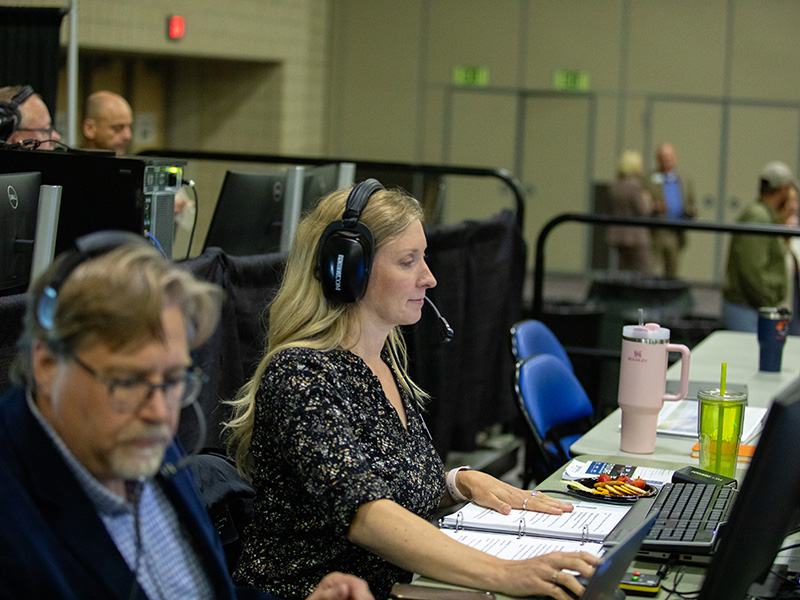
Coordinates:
<point>756,272</point>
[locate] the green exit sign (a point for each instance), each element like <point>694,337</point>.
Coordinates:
<point>471,75</point>
<point>565,79</point>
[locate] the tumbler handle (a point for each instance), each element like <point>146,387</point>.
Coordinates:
<point>684,387</point>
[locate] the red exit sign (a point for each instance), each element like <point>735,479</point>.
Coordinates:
<point>176,27</point>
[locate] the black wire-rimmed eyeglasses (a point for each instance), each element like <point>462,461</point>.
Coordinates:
<point>129,395</point>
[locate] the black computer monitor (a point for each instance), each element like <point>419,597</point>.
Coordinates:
<point>766,508</point>
<point>247,218</point>
<point>319,181</point>
<point>19,200</point>
<point>98,191</point>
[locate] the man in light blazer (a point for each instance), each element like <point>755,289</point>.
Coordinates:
<point>673,199</point>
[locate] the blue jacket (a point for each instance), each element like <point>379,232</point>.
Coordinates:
<point>52,542</point>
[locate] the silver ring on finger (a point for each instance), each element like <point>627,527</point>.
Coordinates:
<point>524,502</point>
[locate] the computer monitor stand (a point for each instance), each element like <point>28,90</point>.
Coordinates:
<point>44,241</point>
<point>292,206</point>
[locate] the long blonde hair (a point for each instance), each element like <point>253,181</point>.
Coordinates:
<point>301,316</point>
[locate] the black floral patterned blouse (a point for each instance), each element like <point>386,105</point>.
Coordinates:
<point>325,441</point>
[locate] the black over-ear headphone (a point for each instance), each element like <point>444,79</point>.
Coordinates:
<point>86,248</point>
<point>10,118</point>
<point>346,249</point>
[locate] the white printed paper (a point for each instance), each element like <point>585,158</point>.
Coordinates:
<point>511,547</point>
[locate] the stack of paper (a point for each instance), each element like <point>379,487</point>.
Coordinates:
<point>679,418</point>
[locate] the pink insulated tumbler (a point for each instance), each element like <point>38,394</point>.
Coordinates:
<point>643,382</point>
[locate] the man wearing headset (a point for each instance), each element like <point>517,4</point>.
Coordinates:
<point>94,500</point>
<point>24,116</point>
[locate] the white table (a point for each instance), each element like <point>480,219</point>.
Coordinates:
<point>692,575</point>
<point>740,351</point>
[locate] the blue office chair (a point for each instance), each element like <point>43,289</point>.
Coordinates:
<point>556,409</point>
<point>532,337</point>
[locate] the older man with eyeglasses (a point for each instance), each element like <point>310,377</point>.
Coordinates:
<point>29,123</point>
<point>103,370</point>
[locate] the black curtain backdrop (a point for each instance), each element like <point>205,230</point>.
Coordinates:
<point>29,38</point>
<point>480,270</point>
<point>12,309</point>
<point>232,354</point>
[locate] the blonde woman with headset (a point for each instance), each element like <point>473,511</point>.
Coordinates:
<point>330,428</point>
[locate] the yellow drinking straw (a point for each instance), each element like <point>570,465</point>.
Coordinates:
<point>721,418</point>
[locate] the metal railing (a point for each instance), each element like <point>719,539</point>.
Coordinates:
<point>537,307</point>
<point>502,174</point>
<point>607,357</point>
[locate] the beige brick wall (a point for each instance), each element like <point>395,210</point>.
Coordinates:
<point>284,32</point>
<point>284,40</point>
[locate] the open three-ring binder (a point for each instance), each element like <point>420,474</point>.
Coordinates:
<point>523,534</point>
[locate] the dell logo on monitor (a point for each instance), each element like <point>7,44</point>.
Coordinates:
<point>13,198</point>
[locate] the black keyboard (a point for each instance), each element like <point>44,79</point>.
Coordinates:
<point>689,517</point>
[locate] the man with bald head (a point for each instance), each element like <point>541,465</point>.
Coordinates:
<point>107,122</point>
<point>673,199</point>
<point>29,121</point>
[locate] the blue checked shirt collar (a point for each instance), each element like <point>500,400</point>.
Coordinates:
<point>106,501</point>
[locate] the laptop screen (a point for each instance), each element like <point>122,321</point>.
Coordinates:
<point>604,584</point>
